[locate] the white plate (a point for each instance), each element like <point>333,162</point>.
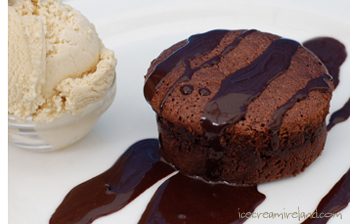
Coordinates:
<point>138,31</point>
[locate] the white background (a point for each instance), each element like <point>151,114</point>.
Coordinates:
<point>138,31</point>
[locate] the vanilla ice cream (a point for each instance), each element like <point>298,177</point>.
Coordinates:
<point>57,62</point>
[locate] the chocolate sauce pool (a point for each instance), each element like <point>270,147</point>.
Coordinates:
<point>178,200</point>
<point>331,52</point>
<point>183,199</point>
<point>135,171</point>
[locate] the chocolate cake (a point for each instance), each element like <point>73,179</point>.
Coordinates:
<point>239,106</point>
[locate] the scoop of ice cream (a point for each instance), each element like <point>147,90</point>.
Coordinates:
<point>57,62</point>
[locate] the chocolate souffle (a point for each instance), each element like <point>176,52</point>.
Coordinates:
<point>239,106</point>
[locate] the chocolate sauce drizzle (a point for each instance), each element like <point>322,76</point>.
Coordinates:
<point>182,199</point>
<point>196,47</point>
<point>189,72</point>
<point>239,89</point>
<point>135,171</point>
<point>331,52</point>
<point>319,84</point>
<point>201,44</point>
<point>339,116</point>
<point>337,199</point>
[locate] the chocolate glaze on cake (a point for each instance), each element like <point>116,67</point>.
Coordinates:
<point>275,123</point>
<point>261,119</point>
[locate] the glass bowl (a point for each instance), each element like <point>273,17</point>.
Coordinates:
<point>62,131</point>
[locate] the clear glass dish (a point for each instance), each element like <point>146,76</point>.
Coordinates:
<point>62,131</point>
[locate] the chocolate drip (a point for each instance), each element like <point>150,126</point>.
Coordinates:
<point>229,105</point>
<point>340,115</point>
<point>183,199</point>
<point>336,200</point>
<point>197,46</point>
<point>319,84</point>
<point>331,52</point>
<point>188,73</point>
<point>134,172</point>
<point>238,90</point>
